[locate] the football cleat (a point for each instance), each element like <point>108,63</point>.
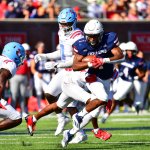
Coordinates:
<point>67,137</point>
<point>76,121</point>
<point>101,134</point>
<point>61,125</point>
<point>30,124</point>
<point>79,138</point>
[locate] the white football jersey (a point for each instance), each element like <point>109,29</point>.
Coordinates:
<point>66,42</point>
<point>8,64</point>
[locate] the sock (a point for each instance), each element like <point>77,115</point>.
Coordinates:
<point>34,119</point>
<point>60,116</point>
<point>82,113</point>
<point>96,130</point>
<point>86,119</point>
<point>73,131</point>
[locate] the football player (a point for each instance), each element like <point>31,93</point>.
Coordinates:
<point>12,57</point>
<point>71,34</point>
<point>133,68</point>
<point>68,35</point>
<point>100,69</point>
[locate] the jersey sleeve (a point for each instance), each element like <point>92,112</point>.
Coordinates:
<point>80,47</point>
<point>9,65</point>
<point>112,40</point>
<point>76,35</point>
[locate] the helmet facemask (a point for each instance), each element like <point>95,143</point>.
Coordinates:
<point>67,20</point>
<point>20,58</point>
<point>97,38</point>
<point>68,27</point>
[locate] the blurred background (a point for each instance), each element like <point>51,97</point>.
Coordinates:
<point>34,22</point>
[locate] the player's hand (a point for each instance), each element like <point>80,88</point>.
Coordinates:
<point>97,62</point>
<point>50,65</point>
<point>39,57</point>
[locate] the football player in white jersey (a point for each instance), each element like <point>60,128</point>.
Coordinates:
<point>68,35</point>
<point>12,57</point>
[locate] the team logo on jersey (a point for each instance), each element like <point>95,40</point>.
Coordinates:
<point>98,52</point>
<point>7,61</point>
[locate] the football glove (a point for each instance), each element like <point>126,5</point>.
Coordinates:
<point>40,57</point>
<point>50,65</point>
<point>97,62</point>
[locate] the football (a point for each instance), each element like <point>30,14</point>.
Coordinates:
<point>88,58</point>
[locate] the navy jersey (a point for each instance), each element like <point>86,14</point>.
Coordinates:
<point>102,50</point>
<point>127,68</point>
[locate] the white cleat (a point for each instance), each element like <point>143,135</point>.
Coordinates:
<point>79,138</point>
<point>61,125</point>
<point>67,137</point>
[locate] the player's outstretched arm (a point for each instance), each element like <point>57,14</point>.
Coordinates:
<point>51,56</point>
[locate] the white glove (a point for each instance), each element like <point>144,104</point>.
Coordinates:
<point>40,57</point>
<point>50,65</point>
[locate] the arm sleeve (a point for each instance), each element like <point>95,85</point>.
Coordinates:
<point>66,64</point>
<point>54,55</point>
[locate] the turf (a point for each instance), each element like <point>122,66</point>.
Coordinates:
<point>130,132</point>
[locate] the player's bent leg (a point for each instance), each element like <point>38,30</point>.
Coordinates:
<point>12,118</point>
<point>8,123</point>
<point>31,120</point>
<point>108,113</point>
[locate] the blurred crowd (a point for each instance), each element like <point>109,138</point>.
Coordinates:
<point>106,9</point>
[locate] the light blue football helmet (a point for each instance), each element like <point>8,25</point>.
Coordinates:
<point>67,19</point>
<point>15,52</point>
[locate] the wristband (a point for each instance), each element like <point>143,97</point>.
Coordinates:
<point>89,64</point>
<point>106,60</point>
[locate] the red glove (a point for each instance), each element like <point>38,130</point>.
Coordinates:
<point>97,62</point>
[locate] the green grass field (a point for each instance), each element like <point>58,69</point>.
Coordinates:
<point>130,132</point>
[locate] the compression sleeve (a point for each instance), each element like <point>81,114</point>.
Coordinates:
<point>66,64</point>
<point>54,55</point>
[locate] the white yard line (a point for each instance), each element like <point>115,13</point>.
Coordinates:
<point>129,119</point>
<point>27,143</point>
